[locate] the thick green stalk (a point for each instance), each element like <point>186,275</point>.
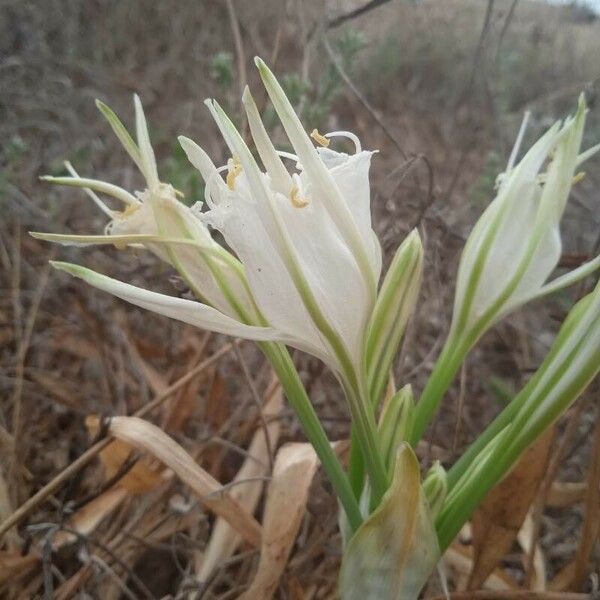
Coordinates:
<point>364,429</point>
<point>439,381</point>
<point>300,402</point>
<point>490,432</point>
<point>356,465</point>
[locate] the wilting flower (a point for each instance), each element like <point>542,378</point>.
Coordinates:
<point>309,261</point>
<point>516,244</point>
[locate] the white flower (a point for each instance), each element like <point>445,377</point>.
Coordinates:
<point>156,220</point>
<point>304,238</point>
<point>309,261</point>
<point>516,244</point>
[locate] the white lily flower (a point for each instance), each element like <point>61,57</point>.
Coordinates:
<point>304,238</point>
<point>516,244</point>
<point>156,220</point>
<point>309,261</point>
<point>512,250</point>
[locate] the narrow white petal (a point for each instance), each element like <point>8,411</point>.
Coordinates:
<point>566,280</point>
<point>587,154</point>
<point>187,311</point>
<point>121,132</point>
<point>107,211</point>
<point>199,158</point>
<point>92,240</point>
<point>324,186</point>
<point>146,153</point>
<point>94,184</point>
<point>270,159</point>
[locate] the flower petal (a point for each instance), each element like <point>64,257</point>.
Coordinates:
<point>280,177</point>
<point>324,187</point>
<point>146,153</point>
<point>94,184</point>
<point>187,311</point>
<point>121,132</point>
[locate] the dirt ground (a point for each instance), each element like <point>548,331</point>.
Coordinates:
<point>440,90</point>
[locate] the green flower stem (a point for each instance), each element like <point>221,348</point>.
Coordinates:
<point>439,381</point>
<point>365,432</point>
<point>300,402</point>
<point>356,465</point>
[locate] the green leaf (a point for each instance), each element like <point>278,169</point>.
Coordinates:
<point>395,550</point>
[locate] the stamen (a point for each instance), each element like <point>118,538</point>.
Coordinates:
<point>320,139</point>
<point>297,202</point>
<point>213,179</point>
<point>347,134</point>
<point>578,177</point>
<point>235,168</point>
<point>289,155</point>
<point>132,208</point>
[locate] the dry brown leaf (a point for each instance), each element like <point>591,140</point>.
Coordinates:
<point>574,574</point>
<point>89,516</point>
<point>77,345</point>
<point>149,438</point>
<point>13,565</point>
<point>525,538</point>
<point>179,409</point>
<point>11,539</point>
<point>224,540</point>
<point>295,466</point>
<point>458,561</point>
<point>564,493</point>
<point>143,476</point>
<point>498,520</point>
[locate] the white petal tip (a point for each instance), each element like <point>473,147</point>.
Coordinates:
<point>70,268</point>
<point>247,96</point>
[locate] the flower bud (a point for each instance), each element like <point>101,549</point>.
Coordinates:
<point>394,306</point>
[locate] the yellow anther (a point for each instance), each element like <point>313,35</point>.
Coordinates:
<point>235,168</point>
<point>578,177</point>
<point>179,193</point>
<point>319,138</point>
<point>131,208</point>
<point>297,202</point>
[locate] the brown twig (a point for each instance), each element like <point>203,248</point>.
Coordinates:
<point>239,46</point>
<point>551,473</point>
<point>21,356</point>
<point>410,159</point>
<point>258,403</point>
<point>591,521</point>
<point>357,12</point>
<point>92,451</point>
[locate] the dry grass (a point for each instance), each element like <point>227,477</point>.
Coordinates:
<point>440,88</point>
